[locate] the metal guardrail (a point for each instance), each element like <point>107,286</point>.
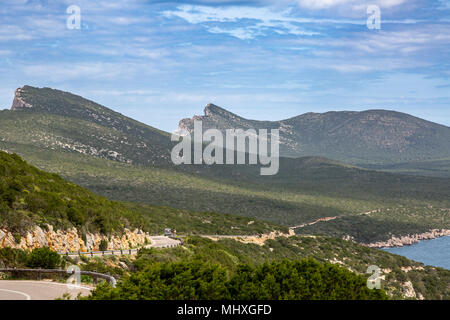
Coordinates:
<point>116,252</point>
<point>179,239</point>
<point>94,275</point>
<point>102,253</point>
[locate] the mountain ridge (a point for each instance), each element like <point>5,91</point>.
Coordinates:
<point>375,136</point>
<point>139,143</point>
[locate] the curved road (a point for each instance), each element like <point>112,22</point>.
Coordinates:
<point>37,290</point>
<point>46,290</point>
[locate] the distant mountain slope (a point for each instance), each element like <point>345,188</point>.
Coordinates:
<point>433,168</point>
<point>59,119</point>
<point>367,137</point>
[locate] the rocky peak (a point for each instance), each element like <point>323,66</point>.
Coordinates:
<point>18,102</point>
<point>212,110</point>
<point>214,117</point>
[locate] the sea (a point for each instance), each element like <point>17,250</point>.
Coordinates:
<point>435,252</point>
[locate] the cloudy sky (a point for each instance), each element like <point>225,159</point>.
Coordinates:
<point>160,61</point>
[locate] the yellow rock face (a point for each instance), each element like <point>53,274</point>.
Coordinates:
<point>70,241</point>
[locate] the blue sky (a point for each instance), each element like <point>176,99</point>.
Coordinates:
<point>160,61</point>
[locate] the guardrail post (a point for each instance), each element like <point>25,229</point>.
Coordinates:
<point>130,251</point>
<point>121,251</point>
<point>92,254</point>
<point>112,252</point>
<point>39,274</point>
<point>60,274</point>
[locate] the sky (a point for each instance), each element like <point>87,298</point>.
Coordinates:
<point>161,61</point>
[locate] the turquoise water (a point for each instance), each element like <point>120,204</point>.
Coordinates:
<point>435,252</point>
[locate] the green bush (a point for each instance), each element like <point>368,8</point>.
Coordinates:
<point>200,280</point>
<point>17,237</point>
<point>103,245</point>
<point>43,258</point>
<point>11,258</point>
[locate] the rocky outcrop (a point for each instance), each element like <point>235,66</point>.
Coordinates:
<point>408,290</point>
<point>410,239</point>
<point>18,102</point>
<point>71,241</point>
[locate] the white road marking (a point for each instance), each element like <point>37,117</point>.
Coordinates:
<point>49,282</point>
<point>17,292</point>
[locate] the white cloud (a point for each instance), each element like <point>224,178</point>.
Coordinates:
<point>249,22</point>
<point>321,4</point>
<point>354,4</point>
<point>12,32</point>
<point>240,33</point>
<point>67,71</point>
<point>203,14</point>
<point>252,21</point>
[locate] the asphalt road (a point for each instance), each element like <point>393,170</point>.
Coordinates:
<point>37,290</point>
<point>162,242</point>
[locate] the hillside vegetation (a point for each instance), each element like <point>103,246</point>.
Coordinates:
<point>405,204</point>
<point>29,196</point>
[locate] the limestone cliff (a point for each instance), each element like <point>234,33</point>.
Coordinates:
<point>18,102</point>
<point>70,240</point>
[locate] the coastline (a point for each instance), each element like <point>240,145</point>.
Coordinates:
<point>409,239</point>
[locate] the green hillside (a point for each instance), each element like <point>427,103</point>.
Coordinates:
<point>29,196</point>
<point>434,168</point>
<point>323,191</point>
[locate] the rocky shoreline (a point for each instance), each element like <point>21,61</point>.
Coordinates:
<point>410,239</point>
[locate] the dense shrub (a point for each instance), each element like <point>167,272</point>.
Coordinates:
<point>103,246</point>
<point>10,258</point>
<point>43,258</point>
<point>296,280</point>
